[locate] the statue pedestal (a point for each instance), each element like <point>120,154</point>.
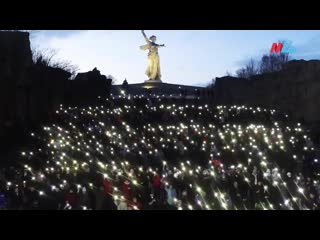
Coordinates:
<point>152,84</point>
<point>152,81</point>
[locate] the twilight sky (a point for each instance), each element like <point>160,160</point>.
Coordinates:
<point>191,57</point>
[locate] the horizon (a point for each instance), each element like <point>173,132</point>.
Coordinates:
<point>191,57</point>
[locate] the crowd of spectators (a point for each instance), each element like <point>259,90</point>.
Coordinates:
<point>152,152</point>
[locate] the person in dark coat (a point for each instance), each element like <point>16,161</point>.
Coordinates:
<point>3,201</point>
<point>156,185</point>
<point>108,203</point>
<point>72,198</point>
<point>127,190</point>
<point>31,199</point>
<point>99,197</point>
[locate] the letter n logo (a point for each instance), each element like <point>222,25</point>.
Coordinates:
<point>276,47</point>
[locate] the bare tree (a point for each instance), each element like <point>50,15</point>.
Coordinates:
<point>46,57</point>
<point>43,56</point>
<point>241,73</point>
<point>114,80</point>
<point>212,83</point>
<point>273,62</point>
<point>251,69</point>
<point>268,63</point>
<point>67,66</point>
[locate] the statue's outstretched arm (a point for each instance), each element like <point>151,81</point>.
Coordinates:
<point>145,36</point>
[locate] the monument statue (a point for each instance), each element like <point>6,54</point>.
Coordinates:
<point>153,71</point>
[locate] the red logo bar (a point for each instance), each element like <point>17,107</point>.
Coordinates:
<point>276,47</point>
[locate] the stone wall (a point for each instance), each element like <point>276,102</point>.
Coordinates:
<point>28,92</point>
<point>46,91</point>
<point>294,90</point>
<point>87,87</point>
<point>15,60</point>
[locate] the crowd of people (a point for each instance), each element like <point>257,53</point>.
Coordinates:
<point>153,152</point>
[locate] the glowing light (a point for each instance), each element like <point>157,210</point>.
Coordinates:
<point>263,163</point>
<point>224,205</point>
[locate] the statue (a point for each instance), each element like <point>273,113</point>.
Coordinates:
<point>153,70</point>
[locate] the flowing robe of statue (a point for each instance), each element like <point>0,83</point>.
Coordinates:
<point>153,70</point>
